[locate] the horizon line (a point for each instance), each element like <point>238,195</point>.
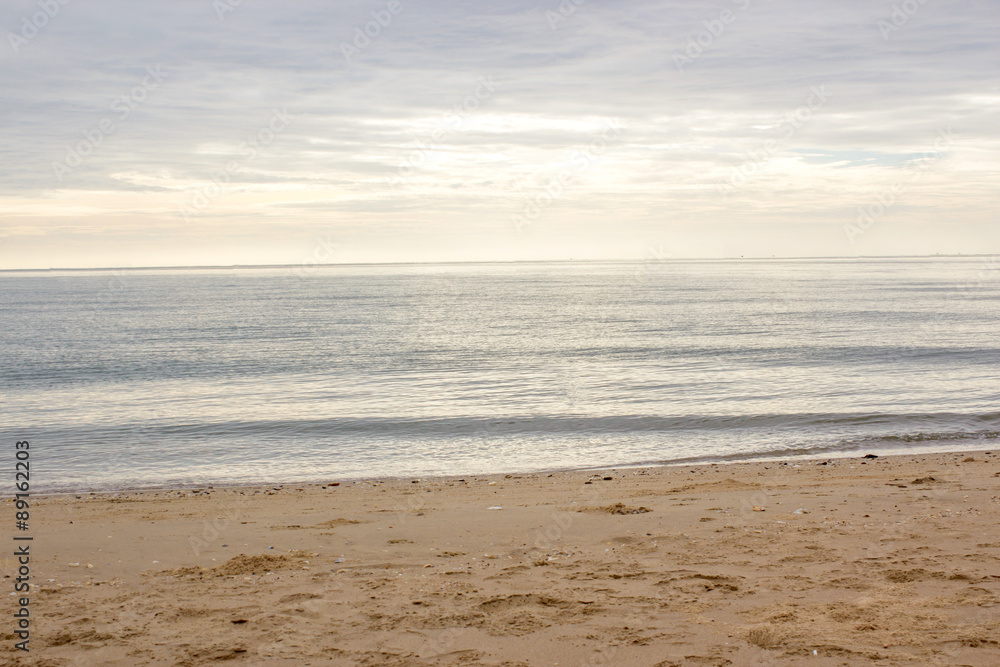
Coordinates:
<point>191,267</point>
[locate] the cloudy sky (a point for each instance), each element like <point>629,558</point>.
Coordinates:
<point>194,132</point>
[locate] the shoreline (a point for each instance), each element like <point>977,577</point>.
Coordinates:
<point>828,561</point>
<point>931,447</point>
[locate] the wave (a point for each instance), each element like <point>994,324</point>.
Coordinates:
<point>886,444</point>
<point>139,363</point>
<point>912,427</point>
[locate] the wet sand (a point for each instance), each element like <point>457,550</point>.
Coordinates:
<point>887,561</point>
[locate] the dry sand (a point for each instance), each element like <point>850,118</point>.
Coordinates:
<point>893,561</point>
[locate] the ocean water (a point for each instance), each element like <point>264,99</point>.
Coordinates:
<point>174,377</point>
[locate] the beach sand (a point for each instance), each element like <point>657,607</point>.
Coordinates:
<point>886,561</point>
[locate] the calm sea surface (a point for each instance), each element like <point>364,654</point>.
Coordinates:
<point>166,377</point>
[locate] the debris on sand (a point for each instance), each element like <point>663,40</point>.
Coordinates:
<point>617,508</point>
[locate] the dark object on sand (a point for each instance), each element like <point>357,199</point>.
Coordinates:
<point>870,456</point>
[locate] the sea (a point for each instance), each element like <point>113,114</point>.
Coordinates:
<point>177,377</point>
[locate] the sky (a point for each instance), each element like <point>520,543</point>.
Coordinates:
<point>222,132</point>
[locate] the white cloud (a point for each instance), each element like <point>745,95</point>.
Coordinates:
<point>358,125</point>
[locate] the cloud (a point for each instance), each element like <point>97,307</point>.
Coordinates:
<point>393,141</point>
